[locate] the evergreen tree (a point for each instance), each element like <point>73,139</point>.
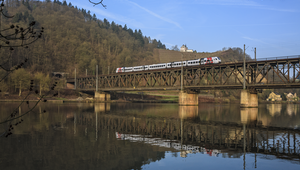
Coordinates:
<point>130,31</point>
<point>125,27</point>
<point>106,23</point>
<point>94,17</point>
<point>89,17</point>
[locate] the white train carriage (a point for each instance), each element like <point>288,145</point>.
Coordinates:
<point>169,65</point>
<point>124,69</point>
<point>210,60</point>
<point>193,62</point>
<point>178,64</point>
<point>140,68</point>
<point>157,66</point>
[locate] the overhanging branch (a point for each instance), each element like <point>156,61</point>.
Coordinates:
<point>97,3</point>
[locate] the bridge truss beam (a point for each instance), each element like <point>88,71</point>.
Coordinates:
<point>283,73</point>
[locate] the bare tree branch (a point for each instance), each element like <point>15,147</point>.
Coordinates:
<point>97,3</point>
<point>16,37</point>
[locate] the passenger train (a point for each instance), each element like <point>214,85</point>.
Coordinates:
<point>202,61</point>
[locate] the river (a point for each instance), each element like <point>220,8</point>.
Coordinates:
<point>150,136</point>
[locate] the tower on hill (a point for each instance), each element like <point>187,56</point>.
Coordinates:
<point>184,48</point>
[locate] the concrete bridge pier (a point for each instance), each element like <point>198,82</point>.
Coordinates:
<point>102,96</point>
<point>249,98</point>
<point>188,99</point>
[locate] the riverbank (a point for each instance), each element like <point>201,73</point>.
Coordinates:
<point>71,96</point>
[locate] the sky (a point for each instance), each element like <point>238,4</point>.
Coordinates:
<point>270,26</point>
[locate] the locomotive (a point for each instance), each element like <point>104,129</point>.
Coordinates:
<point>202,61</point>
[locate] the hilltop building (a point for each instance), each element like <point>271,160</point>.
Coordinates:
<point>184,48</point>
<point>274,97</point>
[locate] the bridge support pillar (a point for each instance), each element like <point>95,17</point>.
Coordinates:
<point>102,96</point>
<point>186,99</point>
<point>249,98</point>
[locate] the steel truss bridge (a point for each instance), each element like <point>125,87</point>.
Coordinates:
<point>272,73</point>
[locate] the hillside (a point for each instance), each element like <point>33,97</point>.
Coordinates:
<point>74,38</point>
<point>231,54</point>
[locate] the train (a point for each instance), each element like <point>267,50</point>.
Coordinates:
<point>202,61</point>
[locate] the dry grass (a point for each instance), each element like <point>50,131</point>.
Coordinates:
<point>164,56</point>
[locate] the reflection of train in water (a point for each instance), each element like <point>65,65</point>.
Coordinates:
<point>196,62</point>
<point>184,149</point>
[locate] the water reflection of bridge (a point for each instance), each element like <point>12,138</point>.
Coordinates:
<point>248,136</point>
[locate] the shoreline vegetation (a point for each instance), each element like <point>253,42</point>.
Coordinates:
<point>68,96</point>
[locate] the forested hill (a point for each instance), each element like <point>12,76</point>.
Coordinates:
<point>74,37</point>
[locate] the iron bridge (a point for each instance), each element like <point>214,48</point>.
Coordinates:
<point>272,73</point>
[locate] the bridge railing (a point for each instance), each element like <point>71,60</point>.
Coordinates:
<point>275,58</point>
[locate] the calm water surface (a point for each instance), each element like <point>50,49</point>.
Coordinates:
<point>152,136</point>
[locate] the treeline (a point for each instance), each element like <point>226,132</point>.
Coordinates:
<point>75,38</point>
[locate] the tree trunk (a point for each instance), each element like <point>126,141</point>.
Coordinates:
<point>40,89</point>
<point>20,91</point>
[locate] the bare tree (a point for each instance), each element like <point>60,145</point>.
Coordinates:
<point>175,48</point>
